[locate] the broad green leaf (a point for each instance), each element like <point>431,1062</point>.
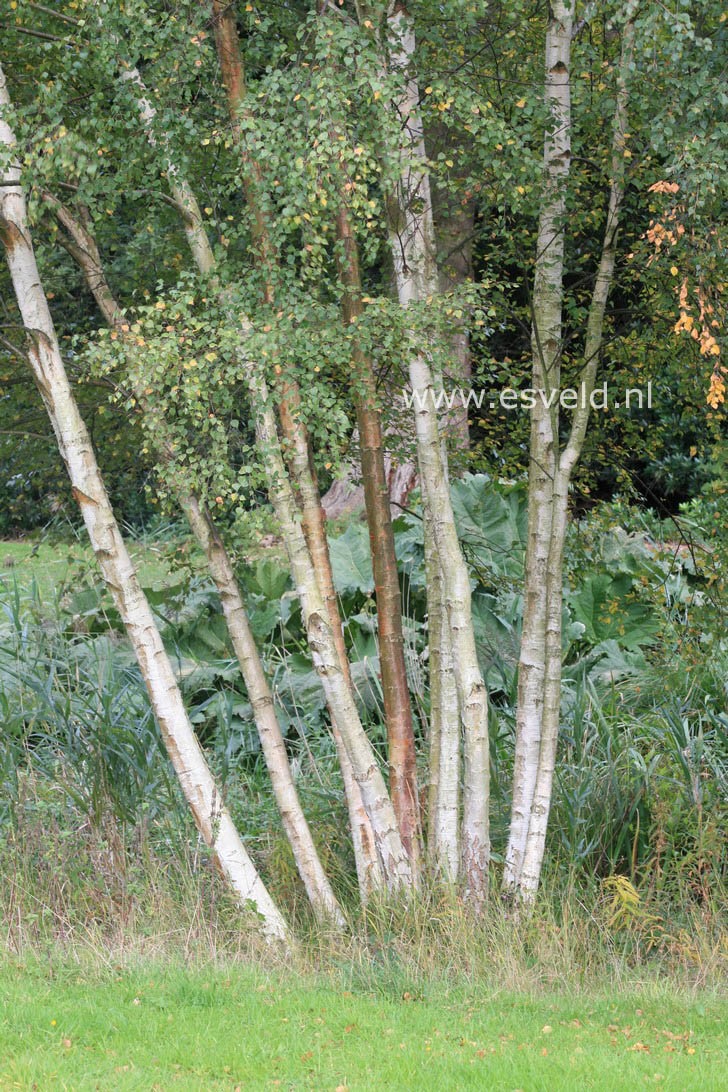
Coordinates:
<point>351,560</point>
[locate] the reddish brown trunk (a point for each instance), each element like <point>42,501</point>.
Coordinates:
<point>294,431</point>
<point>400,733</point>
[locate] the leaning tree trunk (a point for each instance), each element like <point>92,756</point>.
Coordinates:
<point>565,464</point>
<point>81,244</point>
<point>413,252</point>
<point>391,852</point>
<point>307,860</point>
<point>386,863</point>
<point>212,818</point>
<point>294,431</point>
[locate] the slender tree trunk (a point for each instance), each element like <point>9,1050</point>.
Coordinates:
<point>309,865</point>
<point>321,641</point>
<point>435,611</point>
<point>444,789</point>
<point>363,820</point>
<point>297,450</point>
<point>413,253</point>
<point>546,357</point>
<point>81,244</point>
<point>541,804</point>
<point>398,714</point>
<point>212,818</point>
<point>179,188</point>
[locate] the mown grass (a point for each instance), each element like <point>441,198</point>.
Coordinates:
<point>159,1027</point>
<point>52,565</point>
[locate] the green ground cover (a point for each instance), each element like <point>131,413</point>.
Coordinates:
<point>161,1027</point>
<point>52,566</point>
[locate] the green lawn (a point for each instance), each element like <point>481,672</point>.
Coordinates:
<point>54,565</point>
<point>168,1028</point>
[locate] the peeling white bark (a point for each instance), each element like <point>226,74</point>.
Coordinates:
<point>212,818</point>
<point>391,852</point>
<point>447,816</point>
<point>541,802</point>
<point>349,735</point>
<point>294,821</point>
<point>82,245</point>
<point>546,367</point>
<point>184,198</point>
<point>412,243</point>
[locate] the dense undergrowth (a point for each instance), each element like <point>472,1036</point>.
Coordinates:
<point>97,851</point>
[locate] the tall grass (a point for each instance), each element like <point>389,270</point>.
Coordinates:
<point>97,852</point>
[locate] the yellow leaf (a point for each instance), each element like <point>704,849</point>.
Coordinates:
<point>521,103</point>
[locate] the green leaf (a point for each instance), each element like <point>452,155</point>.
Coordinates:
<point>351,561</point>
<point>602,607</point>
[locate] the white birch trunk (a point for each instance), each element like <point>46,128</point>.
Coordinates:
<point>546,358</point>
<point>82,245</point>
<point>391,852</point>
<point>444,750</point>
<point>447,816</point>
<point>312,517</point>
<point>369,872</point>
<point>212,818</point>
<point>297,830</point>
<point>536,840</point>
<point>367,809</point>
<point>184,198</point>
<point>413,254</point>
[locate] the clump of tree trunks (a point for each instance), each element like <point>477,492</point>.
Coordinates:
<point>350,82</point>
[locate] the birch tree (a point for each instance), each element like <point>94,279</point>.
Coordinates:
<point>78,239</point>
<point>369,869</point>
<point>44,356</point>
<point>551,469</point>
<point>391,855</point>
<point>413,249</point>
